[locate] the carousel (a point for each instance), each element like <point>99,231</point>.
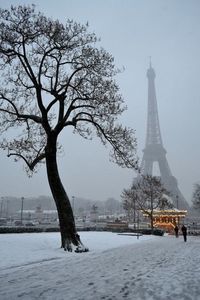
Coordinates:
<point>167,219</point>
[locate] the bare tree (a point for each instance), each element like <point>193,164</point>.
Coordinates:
<point>130,203</point>
<point>54,77</point>
<point>148,193</point>
<point>196,197</point>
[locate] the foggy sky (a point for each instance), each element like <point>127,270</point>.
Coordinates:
<point>169,32</point>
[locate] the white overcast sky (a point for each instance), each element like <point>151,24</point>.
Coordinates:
<point>131,30</point>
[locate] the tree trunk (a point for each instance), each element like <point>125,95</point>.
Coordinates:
<point>151,217</point>
<point>69,236</point>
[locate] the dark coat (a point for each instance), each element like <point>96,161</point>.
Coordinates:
<point>184,230</point>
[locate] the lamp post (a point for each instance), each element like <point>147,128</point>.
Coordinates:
<point>22,207</point>
<point>7,204</point>
<point>1,206</point>
<point>177,201</point>
<point>177,207</point>
<point>138,219</point>
<point>134,214</point>
<point>73,198</point>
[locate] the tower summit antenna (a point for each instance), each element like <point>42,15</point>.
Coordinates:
<point>149,61</point>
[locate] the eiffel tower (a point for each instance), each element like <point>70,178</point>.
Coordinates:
<point>154,150</point>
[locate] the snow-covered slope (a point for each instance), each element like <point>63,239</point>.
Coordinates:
<point>118,267</point>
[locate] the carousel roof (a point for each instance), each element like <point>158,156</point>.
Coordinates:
<point>167,212</point>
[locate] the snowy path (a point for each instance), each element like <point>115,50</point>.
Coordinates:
<point>163,268</point>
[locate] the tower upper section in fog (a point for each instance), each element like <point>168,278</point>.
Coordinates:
<point>154,151</point>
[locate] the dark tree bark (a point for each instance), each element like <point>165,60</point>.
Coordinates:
<point>69,235</point>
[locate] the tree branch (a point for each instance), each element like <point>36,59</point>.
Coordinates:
<point>16,112</point>
<point>33,163</point>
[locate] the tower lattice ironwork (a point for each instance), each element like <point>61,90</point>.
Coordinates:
<point>154,150</point>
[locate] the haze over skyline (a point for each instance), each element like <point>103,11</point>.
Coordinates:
<point>132,31</point>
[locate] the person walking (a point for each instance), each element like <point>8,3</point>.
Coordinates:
<point>176,231</point>
<point>184,232</point>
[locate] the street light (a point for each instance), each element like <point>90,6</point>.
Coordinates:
<point>177,206</point>
<point>134,214</point>
<point>7,204</point>
<point>177,201</point>
<point>138,219</point>
<point>73,203</point>
<point>1,206</point>
<point>22,207</point>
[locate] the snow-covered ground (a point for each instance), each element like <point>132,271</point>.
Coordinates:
<point>32,266</point>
